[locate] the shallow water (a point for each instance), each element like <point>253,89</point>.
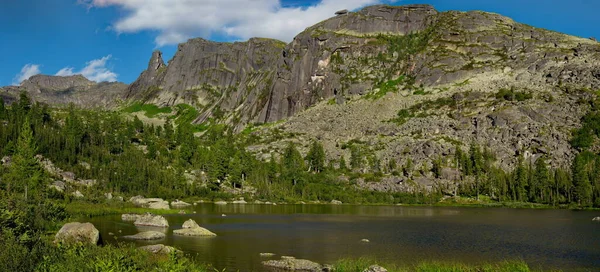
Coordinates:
<point>562,239</point>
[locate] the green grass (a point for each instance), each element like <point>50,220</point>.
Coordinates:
<point>150,110</point>
<point>359,265</point>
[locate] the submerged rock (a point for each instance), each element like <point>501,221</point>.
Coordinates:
<point>159,249</point>
<point>146,235</point>
<point>220,203</point>
<point>191,228</point>
<point>365,240</point>
<point>78,232</point>
<point>151,220</point>
<point>267,254</point>
<point>130,216</point>
<point>293,265</point>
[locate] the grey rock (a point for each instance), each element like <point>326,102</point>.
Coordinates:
<point>130,217</point>
<point>77,194</point>
<point>191,228</point>
<point>146,235</point>
<point>293,265</point>
<point>336,202</point>
<point>159,249</point>
<point>58,185</point>
<point>596,218</point>
<point>180,204</point>
<point>78,232</point>
<point>375,268</point>
<point>151,220</point>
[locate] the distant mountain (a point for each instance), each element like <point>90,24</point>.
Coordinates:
<point>60,91</point>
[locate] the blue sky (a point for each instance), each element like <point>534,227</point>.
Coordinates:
<point>113,39</point>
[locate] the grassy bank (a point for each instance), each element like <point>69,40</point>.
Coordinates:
<point>359,265</point>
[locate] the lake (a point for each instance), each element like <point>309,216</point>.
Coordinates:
<point>562,239</point>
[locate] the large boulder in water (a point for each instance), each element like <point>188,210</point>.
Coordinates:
<point>159,249</point>
<point>293,264</point>
<point>78,232</point>
<point>151,220</point>
<point>191,228</point>
<point>146,235</point>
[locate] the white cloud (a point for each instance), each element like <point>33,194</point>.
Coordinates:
<point>94,70</point>
<point>178,20</point>
<point>27,71</point>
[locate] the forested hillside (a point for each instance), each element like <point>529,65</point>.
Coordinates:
<point>125,157</point>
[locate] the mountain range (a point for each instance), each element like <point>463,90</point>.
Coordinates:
<point>404,82</point>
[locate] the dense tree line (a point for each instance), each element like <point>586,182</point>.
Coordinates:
<point>129,157</point>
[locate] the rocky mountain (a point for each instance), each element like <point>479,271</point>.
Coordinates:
<point>61,91</point>
<point>399,81</point>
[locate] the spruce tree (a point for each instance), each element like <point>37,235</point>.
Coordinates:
<point>25,172</point>
<point>316,157</point>
<point>583,186</point>
<point>343,166</point>
<point>292,163</point>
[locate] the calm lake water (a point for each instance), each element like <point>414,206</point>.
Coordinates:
<point>559,239</point>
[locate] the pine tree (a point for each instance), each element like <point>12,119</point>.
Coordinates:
<point>540,181</point>
<point>583,186</point>
<point>292,163</point>
<point>520,181</point>
<point>356,157</point>
<point>2,109</point>
<point>316,157</point>
<point>25,173</point>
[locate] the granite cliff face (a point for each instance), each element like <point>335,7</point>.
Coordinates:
<point>355,53</point>
<point>230,81</point>
<point>60,91</point>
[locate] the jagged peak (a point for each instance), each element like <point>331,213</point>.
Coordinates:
<point>156,61</point>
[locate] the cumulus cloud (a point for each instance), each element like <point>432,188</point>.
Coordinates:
<point>178,20</point>
<point>94,70</point>
<point>27,71</point>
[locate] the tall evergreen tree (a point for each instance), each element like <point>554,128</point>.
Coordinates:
<point>292,163</point>
<point>583,186</point>
<point>25,173</point>
<point>520,181</point>
<point>316,157</point>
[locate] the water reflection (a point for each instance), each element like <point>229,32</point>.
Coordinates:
<point>325,233</point>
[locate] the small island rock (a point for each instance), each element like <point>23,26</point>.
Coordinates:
<point>146,235</point>
<point>152,220</point>
<point>191,228</point>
